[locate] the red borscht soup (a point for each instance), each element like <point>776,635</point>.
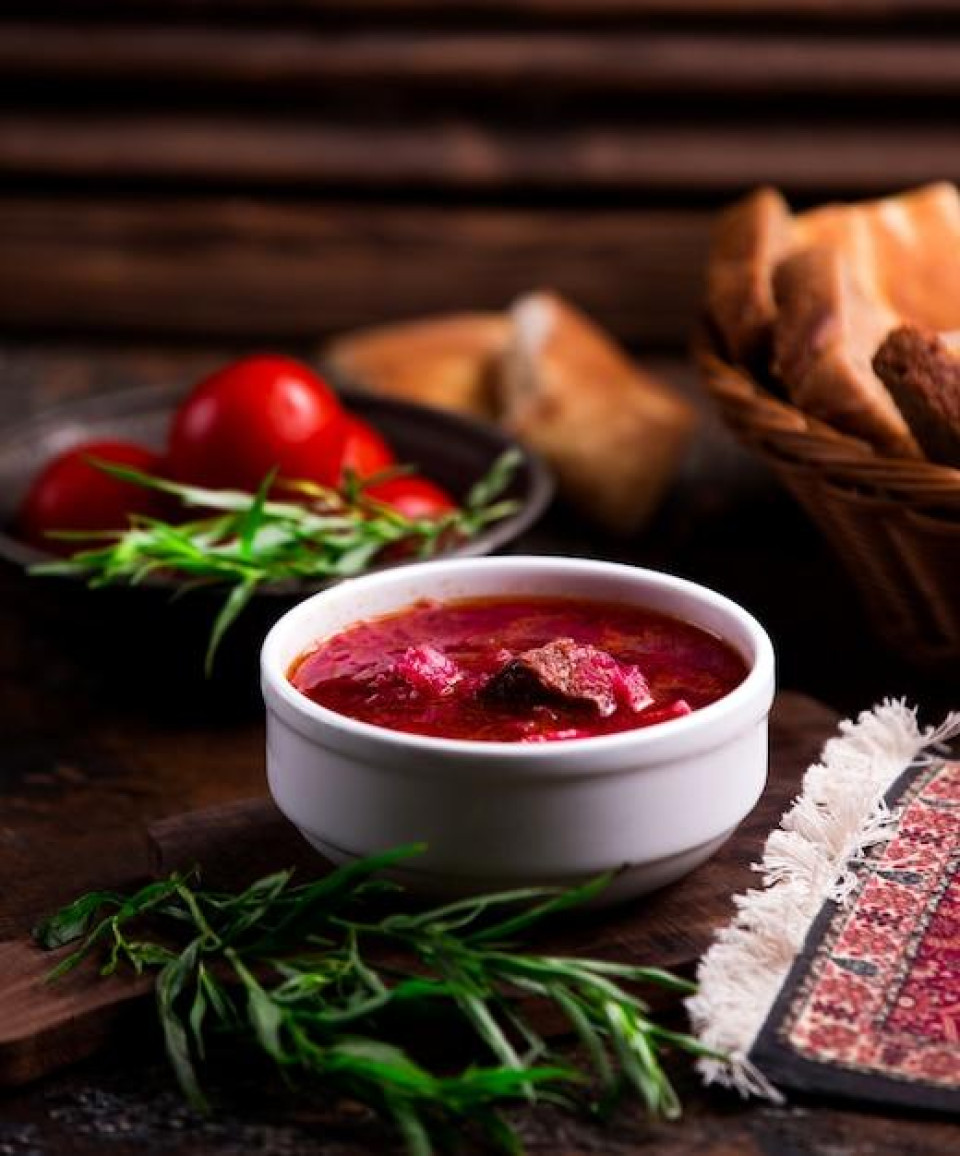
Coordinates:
<point>518,669</point>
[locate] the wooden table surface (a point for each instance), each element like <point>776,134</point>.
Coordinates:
<point>88,758</point>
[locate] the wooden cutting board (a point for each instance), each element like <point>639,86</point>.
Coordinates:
<point>45,1026</point>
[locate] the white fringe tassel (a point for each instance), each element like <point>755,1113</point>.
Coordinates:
<point>839,815</point>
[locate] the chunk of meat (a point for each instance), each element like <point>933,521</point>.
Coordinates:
<point>565,670</point>
<point>428,670</point>
<point>631,688</point>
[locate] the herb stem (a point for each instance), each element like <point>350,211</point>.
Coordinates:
<point>307,974</point>
<point>245,541</point>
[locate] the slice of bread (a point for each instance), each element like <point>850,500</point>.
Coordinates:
<point>613,434</point>
<point>880,263</point>
<point>829,326</point>
<point>748,240</point>
<point>916,255</point>
<point>902,245</point>
<point>921,369</point>
<point>840,277</point>
<point>446,362</point>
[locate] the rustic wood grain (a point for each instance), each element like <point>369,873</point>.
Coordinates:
<point>452,154</point>
<point>235,843</point>
<point>274,61</point>
<point>47,1026</point>
<point>844,12</point>
<point>246,268</point>
<point>297,152</point>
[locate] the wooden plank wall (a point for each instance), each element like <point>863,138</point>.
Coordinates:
<point>275,169</point>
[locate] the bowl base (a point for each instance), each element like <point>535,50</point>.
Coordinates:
<point>631,881</point>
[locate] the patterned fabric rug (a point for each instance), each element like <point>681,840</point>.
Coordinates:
<point>871,1008</point>
<point>840,974</point>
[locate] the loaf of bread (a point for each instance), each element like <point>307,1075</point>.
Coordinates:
<point>446,362</point>
<point>816,293</point>
<point>613,434</point>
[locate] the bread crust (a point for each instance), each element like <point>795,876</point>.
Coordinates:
<point>820,290</point>
<point>916,239</point>
<point>613,434</point>
<point>447,362</point>
<point>828,326</point>
<point>748,240</point>
<point>922,372</point>
<point>900,248</point>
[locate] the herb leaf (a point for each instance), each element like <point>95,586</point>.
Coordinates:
<point>73,921</point>
<point>243,541</point>
<point>305,973</point>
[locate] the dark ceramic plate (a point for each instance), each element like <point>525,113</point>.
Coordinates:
<point>451,450</point>
<point>140,642</point>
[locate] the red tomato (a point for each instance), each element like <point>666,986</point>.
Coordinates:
<point>413,496</point>
<point>72,494</point>
<point>365,452</point>
<point>258,414</point>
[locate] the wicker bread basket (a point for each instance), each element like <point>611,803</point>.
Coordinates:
<point>894,523</point>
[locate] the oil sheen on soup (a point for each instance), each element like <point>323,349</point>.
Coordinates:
<point>512,669</point>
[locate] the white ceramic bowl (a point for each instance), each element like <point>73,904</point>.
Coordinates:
<point>653,802</point>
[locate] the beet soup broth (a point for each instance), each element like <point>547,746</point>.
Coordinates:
<point>525,669</point>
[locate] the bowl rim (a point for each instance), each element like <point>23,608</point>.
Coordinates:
<point>125,403</point>
<point>758,684</point>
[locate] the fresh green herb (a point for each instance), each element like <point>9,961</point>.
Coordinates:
<point>314,975</point>
<point>244,541</point>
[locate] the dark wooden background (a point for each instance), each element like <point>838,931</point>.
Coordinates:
<point>274,169</point>
<point>180,179</point>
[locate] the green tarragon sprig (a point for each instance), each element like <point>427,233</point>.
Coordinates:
<point>244,541</point>
<point>317,979</point>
